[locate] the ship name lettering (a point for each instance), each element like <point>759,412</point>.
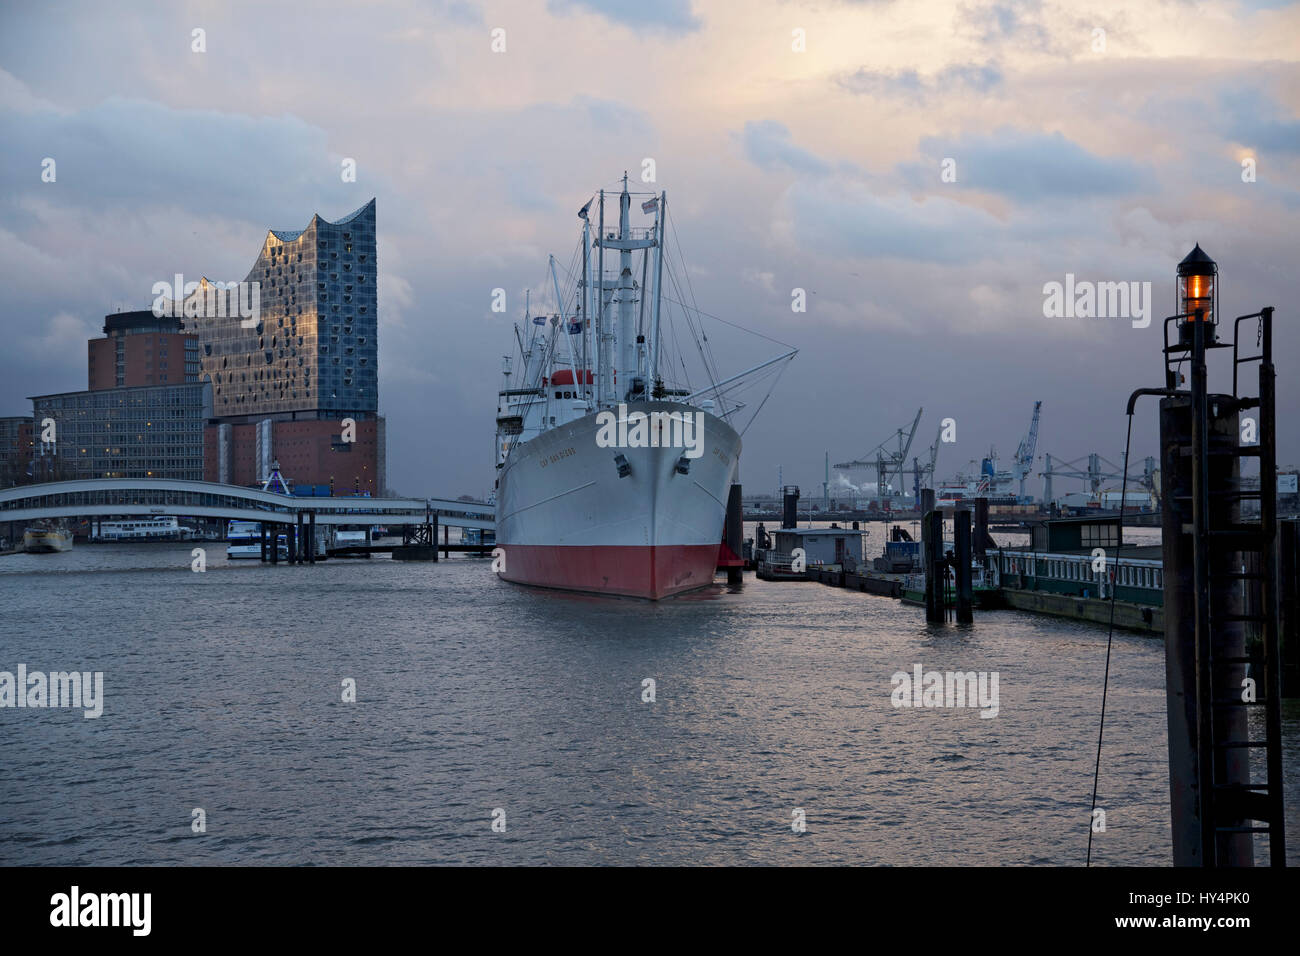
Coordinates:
<point>556,457</point>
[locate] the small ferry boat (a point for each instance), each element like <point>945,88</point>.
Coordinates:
<point>352,539</point>
<point>46,537</point>
<point>984,596</point>
<point>163,528</point>
<point>477,536</point>
<point>245,542</point>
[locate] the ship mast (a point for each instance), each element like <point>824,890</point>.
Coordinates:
<point>626,321</point>
<point>586,313</point>
<point>604,378</point>
<point>626,364</point>
<point>661,214</point>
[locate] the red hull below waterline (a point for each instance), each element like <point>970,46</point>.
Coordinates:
<point>641,571</point>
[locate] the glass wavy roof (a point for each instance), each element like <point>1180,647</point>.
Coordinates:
<point>288,235</point>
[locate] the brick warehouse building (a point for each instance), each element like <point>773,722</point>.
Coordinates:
<point>308,452</point>
<point>283,385</point>
<point>140,348</point>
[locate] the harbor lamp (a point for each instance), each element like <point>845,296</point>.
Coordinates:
<point>1198,291</point>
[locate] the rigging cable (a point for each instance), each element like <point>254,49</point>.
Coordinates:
<point>1110,634</point>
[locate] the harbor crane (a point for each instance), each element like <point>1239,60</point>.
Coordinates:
<point>1094,474</point>
<point>1024,462</point>
<point>923,475</point>
<point>888,463</point>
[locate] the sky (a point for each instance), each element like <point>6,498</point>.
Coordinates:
<point>921,170</point>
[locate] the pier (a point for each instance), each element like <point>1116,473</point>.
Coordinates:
<point>299,519</point>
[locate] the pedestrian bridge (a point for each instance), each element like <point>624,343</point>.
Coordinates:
<point>132,497</point>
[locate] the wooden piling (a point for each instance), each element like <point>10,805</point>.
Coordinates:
<point>735,528</point>
<point>932,549</point>
<point>962,555</point>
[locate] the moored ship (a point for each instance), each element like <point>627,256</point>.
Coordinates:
<point>612,480</point>
<point>46,537</point>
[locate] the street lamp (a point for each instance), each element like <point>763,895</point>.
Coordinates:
<point>1198,296</point>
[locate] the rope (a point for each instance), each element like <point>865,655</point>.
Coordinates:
<point>1110,634</point>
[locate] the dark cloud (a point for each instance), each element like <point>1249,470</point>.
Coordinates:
<point>125,152</point>
<point>768,145</point>
<point>1255,119</point>
<point>1029,166</point>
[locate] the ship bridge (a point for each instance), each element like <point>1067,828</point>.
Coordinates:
<point>204,499</point>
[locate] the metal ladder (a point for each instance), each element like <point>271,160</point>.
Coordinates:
<point>1234,807</point>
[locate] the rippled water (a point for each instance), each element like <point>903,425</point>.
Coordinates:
<point>223,691</point>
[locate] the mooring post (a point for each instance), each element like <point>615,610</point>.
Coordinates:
<point>311,535</point>
<point>927,501</point>
<point>735,533</point>
<point>982,541</point>
<point>1189,471</point>
<point>262,525</point>
<point>932,548</point>
<point>789,507</point>
<point>291,539</point>
<point>275,543</point>
<point>432,528</point>
<point>962,548</point>
<point>446,540</point>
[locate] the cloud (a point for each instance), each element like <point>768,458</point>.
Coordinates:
<point>673,16</point>
<point>911,85</point>
<point>1028,166</point>
<point>124,152</point>
<point>1011,20</point>
<point>1255,119</point>
<point>57,342</point>
<point>768,146</point>
<point>850,222</point>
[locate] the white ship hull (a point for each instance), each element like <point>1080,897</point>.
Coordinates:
<point>566,519</point>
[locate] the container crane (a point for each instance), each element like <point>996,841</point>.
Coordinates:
<point>1094,475</point>
<point>1024,461</point>
<point>887,463</point>
<point>923,475</point>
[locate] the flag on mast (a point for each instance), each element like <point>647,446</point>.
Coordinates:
<point>582,213</point>
<point>650,205</point>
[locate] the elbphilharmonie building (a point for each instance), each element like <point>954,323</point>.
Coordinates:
<point>285,379</point>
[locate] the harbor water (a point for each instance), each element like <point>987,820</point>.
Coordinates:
<point>772,736</point>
